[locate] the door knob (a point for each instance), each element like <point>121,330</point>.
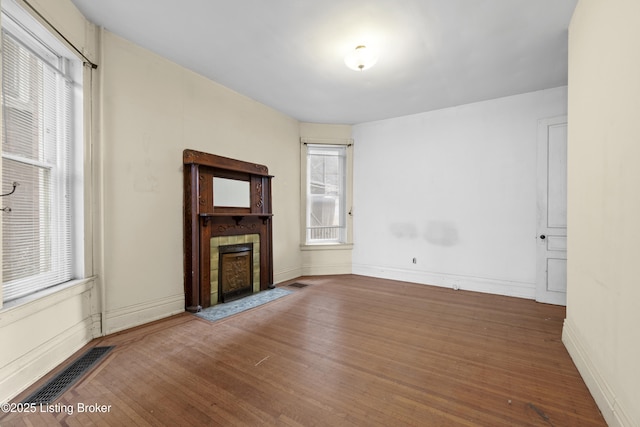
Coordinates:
<point>542,236</point>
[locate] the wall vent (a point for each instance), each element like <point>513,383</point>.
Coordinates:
<point>298,285</point>
<point>57,385</point>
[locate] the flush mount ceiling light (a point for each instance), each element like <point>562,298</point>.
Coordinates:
<point>361,58</point>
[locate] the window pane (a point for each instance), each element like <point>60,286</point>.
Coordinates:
<point>37,108</point>
<point>26,238</point>
<point>22,99</point>
<point>326,194</point>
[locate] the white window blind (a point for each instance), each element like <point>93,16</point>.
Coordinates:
<point>37,137</point>
<point>326,193</point>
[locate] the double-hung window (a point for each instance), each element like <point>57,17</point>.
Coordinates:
<point>326,181</point>
<point>41,91</point>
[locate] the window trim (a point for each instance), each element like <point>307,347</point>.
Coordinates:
<point>45,45</point>
<point>348,243</point>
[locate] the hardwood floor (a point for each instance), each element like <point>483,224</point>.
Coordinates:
<point>343,351</point>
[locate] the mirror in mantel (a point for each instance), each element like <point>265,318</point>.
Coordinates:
<point>231,193</point>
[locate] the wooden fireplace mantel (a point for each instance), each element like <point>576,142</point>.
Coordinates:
<point>203,220</point>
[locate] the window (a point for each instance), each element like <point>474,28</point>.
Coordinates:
<point>327,201</point>
<point>41,94</point>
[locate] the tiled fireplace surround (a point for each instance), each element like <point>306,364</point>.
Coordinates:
<point>216,243</point>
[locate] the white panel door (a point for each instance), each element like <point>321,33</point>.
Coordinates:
<point>551,284</point>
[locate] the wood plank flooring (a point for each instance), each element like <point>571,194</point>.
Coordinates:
<point>343,351</point>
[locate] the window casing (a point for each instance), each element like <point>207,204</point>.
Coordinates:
<point>327,198</point>
<point>41,95</point>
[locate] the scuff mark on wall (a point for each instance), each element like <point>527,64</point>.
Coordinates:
<point>144,179</point>
<point>404,230</point>
<point>441,233</point>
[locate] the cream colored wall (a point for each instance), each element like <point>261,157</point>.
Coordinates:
<point>319,260</point>
<point>66,18</point>
<point>38,333</point>
<point>152,110</point>
<point>603,299</point>
<point>325,131</point>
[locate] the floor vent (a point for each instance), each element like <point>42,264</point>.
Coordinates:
<point>57,385</point>
<point>298,285</point>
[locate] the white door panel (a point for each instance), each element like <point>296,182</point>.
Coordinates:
<point>551,284</point>
<point>557,275</point>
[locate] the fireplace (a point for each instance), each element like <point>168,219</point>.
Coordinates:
<point>235,267</point>
<point>227,228</point>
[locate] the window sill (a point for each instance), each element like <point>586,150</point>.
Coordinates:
<point>327,247</point>
<point>18,308</point>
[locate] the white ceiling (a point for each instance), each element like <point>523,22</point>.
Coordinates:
<point>289,54</point>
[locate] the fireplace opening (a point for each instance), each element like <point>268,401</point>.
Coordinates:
<point>235,271</point>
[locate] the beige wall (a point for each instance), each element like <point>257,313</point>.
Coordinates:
<point>153,109</point>
<point>66,18</point>
<point>603,307</point>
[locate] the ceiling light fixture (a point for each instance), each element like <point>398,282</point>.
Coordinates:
<point>361,58</point>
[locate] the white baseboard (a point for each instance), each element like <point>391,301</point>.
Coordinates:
<point>96,324</point>
<point>469,283</point>
<point>326,269</point>
<point>18,375</point>
<point>138,314</point>
<point>307,270</point>
<point>284,275</point>
<point>614,414</point>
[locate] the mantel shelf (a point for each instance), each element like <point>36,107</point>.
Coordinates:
<point>237,217</point>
